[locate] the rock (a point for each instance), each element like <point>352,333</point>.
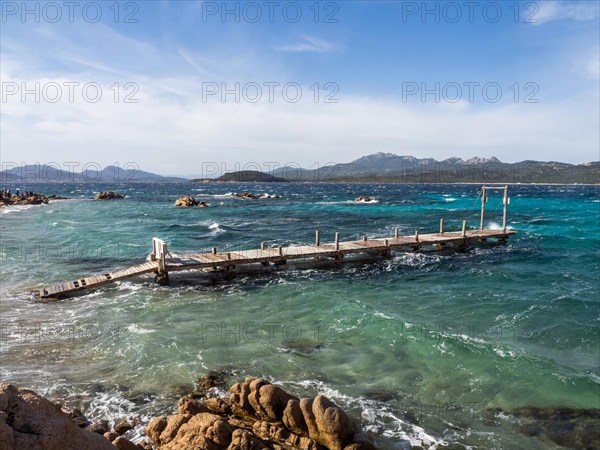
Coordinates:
<point>204,430</point>
<point>124,444</point>
<point>189,405</point>
<point>155,428</point>
<point>257,415</point>
<point>363,199</point>
<point>273,401</point>
<point>567,427</point>
<point>244,440</point>
<point>245,194</point>
<point>363,445</point>
<point>173,425</point>
<point>293,418</point>
<point>111,435</point>
<point>56,197</point>
<point>99,427</point>
<point>207,382</point>
<point>188,200</point>
<point>108,195</point>
<point>32,422</point>
<point>79,419</point>
<point>327,424</point>
<point>260,399</point>
<point>24,198</point>
<point>122,426</point>
<point>145,445</point>
<point>219,405</point>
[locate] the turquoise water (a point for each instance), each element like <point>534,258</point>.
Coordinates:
<point>417,348</point>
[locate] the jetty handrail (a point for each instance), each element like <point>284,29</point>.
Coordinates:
<point>159,253</point>
<point>505,202</point>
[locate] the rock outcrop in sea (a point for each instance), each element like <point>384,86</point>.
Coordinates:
<point>108,195</point>
<point>188,200</point>
<point>256,415</point>
<point>251,196</point>
<point>29,198</point>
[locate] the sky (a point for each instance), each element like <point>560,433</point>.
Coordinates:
<point>182,87</point>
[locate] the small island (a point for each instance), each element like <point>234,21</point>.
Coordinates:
<point>244,176</point>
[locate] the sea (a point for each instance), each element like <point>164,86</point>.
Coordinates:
<point>430,349</point>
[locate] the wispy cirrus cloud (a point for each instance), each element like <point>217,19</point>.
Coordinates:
<point>308,44</point>
<point>562,10</point>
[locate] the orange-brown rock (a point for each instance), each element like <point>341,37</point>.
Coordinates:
<point>124,444</point>
<point>189,405</point>
<point>29,421</point>
<point>257,415</point>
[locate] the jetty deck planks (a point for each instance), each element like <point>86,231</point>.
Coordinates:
<point>160,263</point>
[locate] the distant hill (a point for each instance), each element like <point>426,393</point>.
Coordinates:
<point>246,176</point>
<point>389,167</point>
<point>41,173</point>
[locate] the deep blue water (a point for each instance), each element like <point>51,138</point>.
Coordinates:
<point>419,347</point>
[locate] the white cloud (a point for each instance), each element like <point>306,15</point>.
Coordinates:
<point>561,10</point>
<point>308,44</point>
<point>163,131</point>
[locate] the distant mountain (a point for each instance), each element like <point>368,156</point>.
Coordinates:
<point>245,176</point>
<point>41,173</point>
<point>389,167</point>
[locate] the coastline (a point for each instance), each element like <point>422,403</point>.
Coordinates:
<point>166,328</point>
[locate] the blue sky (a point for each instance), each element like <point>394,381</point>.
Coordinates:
<point>515,80</point>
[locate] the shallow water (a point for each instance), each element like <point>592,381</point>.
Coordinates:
<point>420,347</point>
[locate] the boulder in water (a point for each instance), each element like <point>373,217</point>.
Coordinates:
<point>108,195</point>
<point>188,200</point>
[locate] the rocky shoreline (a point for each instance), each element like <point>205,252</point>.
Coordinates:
<point>26,198</point>
<point>252,415</point>
<point>255,415</point>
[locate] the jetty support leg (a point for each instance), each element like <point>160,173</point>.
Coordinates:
<point>483,200</point>
<point>505,201</point>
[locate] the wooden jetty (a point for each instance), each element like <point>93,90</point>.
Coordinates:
<point>161,262</point>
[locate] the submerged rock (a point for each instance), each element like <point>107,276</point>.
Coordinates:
<point>364,199</point>
<point>108,195</point>
<point>251,196</point>
<point>573,428</point>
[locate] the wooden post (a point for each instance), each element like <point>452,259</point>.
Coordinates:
<point>365,238</point>
<point>483,200</point>
<point>337,241</point>
<point>280,249</point>
<point>396,233</point>
<point>153,254</point>
<point>262,245</point>
<point>386,243</point>
<point>464,228</point>
<point>317,238</point>
<point>441,226</point>
<point>505,201</point>
<point>417,235</point>
<point>228,255</point>
<point>214,250</point>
